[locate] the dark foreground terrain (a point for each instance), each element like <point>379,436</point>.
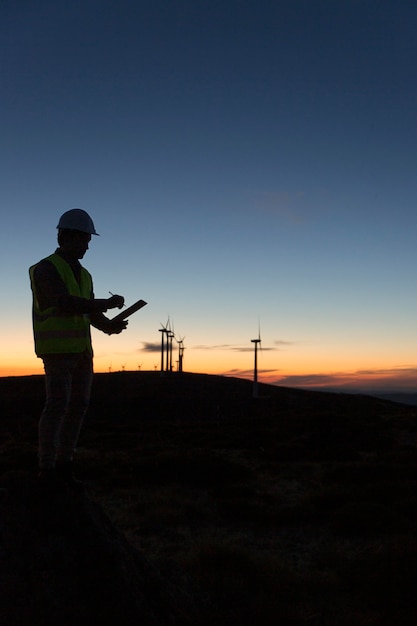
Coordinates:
<point>205,507</point>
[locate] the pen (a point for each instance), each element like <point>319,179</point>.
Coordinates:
<point>112,294</point>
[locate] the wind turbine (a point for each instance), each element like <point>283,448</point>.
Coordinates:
<point>164,331</point>
<point>181,349</point>
<point>256,342</point>
<point>170,338</point>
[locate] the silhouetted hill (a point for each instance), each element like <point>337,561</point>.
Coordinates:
<point>205,506</point>
<point>403,398</point>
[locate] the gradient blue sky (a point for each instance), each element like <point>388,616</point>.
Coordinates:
<point>242,161</point>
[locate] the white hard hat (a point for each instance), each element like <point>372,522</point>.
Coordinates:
<point>77,219</point>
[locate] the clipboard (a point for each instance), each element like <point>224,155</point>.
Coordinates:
<point>130,310</point>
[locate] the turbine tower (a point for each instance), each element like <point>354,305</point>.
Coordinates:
<point>162,331</point>
<point>167,335</point>
<point>256,342</point>
<point>181,349</point>
<point>170,338</point>
<point>164,348</point>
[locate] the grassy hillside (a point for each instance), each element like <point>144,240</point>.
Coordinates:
<point>298,508</point>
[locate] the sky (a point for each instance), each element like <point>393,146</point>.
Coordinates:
<point>250,166</point>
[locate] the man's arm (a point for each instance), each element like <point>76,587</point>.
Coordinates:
<point>101,322</point>
<point>52,292</point>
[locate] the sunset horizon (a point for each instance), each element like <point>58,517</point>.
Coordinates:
<point>397,379</point>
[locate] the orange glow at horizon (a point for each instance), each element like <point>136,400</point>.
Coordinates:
<point>20,370</point>
<point>301,366</point>
<point>403,378</point>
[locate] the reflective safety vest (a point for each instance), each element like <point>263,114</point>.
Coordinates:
<point>56,333</point>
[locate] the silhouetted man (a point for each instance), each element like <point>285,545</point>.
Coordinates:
<point>64,307</point>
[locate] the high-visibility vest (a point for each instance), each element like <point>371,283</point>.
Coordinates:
<point>56,333</point>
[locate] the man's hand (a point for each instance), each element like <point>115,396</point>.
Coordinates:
<point>116,327</point>
<point>115,301</point>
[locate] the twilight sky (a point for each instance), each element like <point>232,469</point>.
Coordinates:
<point>244,162</point>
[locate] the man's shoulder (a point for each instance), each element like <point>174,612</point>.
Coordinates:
<point>44,266</point>
<point>47,259</point>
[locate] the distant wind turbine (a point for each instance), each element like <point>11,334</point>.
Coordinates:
<point>181,349</point>
<point>256,342</point>
<point>170,338</point>
<point>163,330</point>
